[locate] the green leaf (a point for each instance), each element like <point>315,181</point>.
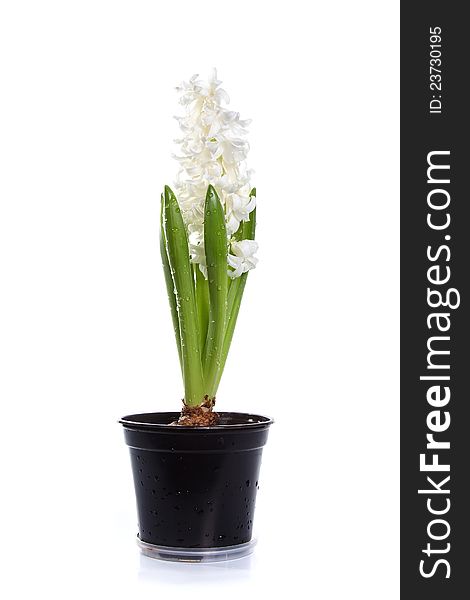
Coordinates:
<point>215,243</point>
<point>181,271</point>
<point>170,284</point>
<point>202,303</point>
<point>246,231</point>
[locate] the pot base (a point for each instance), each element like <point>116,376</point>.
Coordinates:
<point>196,555</point>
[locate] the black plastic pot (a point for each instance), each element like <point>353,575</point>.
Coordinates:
<point>195,486</point>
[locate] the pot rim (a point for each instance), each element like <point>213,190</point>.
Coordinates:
<point>139,421</point>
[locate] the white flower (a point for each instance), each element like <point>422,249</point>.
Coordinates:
<point>213,150</point>
<point>242,259</point>
<point>198,256</point>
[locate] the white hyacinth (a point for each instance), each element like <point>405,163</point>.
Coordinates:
<point>213,150</point>
<point>242,259</point>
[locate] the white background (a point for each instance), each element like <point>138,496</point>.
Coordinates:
<point>87,101</point>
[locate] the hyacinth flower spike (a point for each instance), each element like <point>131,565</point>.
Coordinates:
<point>207,240</point>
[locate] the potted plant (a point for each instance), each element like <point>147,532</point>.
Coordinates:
<point>196,472</point>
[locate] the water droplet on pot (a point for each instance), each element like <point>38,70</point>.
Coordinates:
<point>247,482</point>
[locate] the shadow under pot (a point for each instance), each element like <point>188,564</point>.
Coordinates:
<point>195,486</point>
